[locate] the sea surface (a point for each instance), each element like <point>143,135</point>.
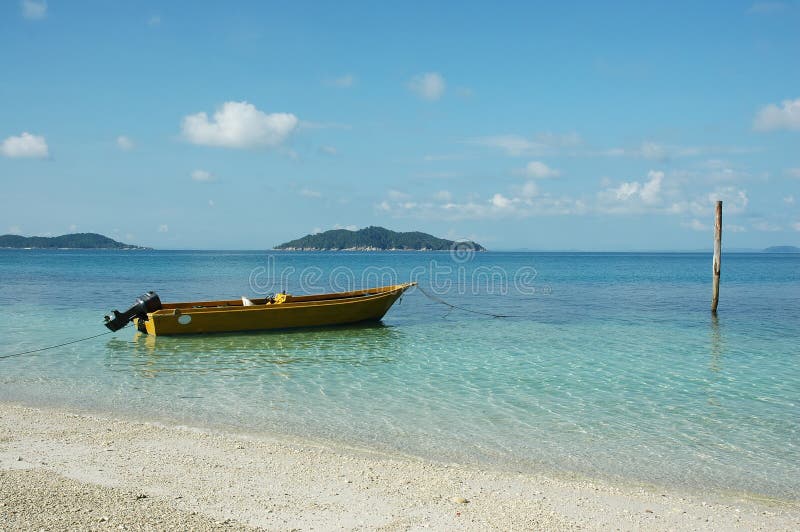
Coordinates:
<point>607,364</point>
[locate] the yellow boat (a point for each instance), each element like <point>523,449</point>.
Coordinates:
<point>283,311</point>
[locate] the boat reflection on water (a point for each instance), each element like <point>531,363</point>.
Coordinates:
<point>238,353</point>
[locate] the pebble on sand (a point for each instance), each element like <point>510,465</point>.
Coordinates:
<point>460,500</point>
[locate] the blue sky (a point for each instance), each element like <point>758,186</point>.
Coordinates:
<point>518,124</point>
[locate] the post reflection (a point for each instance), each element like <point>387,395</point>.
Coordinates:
<point>716,345</point>
<point>715,362</point>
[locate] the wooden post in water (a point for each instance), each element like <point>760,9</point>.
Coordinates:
<point>717,257</point>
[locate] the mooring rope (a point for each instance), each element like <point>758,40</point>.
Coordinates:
<point>430,296</point>
<point>438,299</point>
<point>58,345</point>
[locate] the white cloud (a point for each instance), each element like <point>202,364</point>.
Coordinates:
<point>500,201</point>
<point>766,8</point>
<point>661,152</point>
<point>442,174</point>
<point>518,202</point>
<point>539,170</point>
<point>309,193</point>
<point>239,125</point>
<point>342,82</point>
<point>696,225</point>
<point>155,20</point>
<point>499,205</point>
<point>651,190</point>
<point>444,157</point>
<point>796,226</point>
<point>304,124</point>
<point>529,190</point>
<point>14,230</point>
<point>734,200</point>
<point>764,225</point>
<point>163,228</point>
<point>73,228</point>
<point>316,230</point>
<point>444,195</point>
<point>626,190</point>
<point>202,175</point>
<point>789,200</point>
<point>540,145</point>
<point>719,170</point>
<point>714,164</point>
<point>348,227</point>
<point>793,172</point>
<point>512,144</point>
<point>211,203</point>
<point>571,144</point>
<point>428,86</point>
<point>657,194</point>
<point>125,143</point>
<point>398,196</point>
<point>329,150</point>
<point>25,145</point>
<point>465,92</point>
<point>647,192</point>
<point>561,140</point>
<point>650,150</point>
<point>773,117</point>
<point>635,196</point>
<point>34,9</point>
<point>653,150</point>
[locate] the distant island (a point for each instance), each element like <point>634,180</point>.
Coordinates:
<point>782,249</point>
<point>72,241</point>
<point>373,239</point>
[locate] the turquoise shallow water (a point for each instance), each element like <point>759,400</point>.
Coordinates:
<point>612,365</point>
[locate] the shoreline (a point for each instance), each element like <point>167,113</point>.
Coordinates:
<point>217,479</point>
<point>284,435</point>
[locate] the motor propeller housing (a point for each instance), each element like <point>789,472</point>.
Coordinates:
<point>145,303</point>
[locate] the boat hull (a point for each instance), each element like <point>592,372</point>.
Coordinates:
<point>297,312</point>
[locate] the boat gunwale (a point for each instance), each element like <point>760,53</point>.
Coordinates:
<point>227,306</point>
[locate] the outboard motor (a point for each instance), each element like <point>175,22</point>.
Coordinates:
<point>148,302</point>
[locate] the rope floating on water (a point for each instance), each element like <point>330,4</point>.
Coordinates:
<point>438,299</point>
<point>57,345</point>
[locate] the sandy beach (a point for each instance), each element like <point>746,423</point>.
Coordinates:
<point>61,470</point>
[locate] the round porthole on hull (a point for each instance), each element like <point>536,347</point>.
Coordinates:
<point>184,319</point>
